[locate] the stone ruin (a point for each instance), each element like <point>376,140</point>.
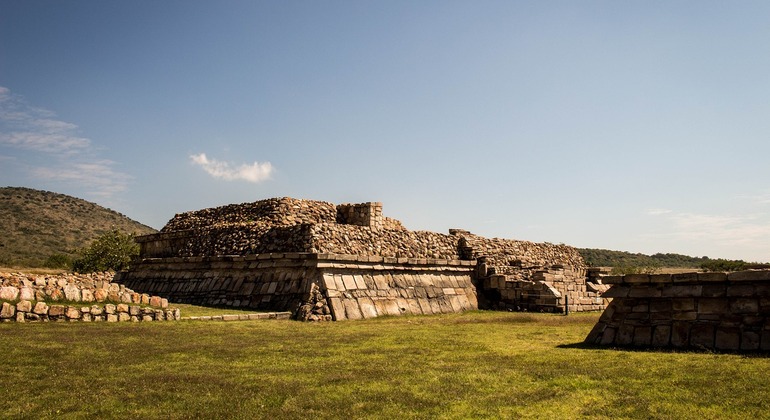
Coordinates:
<point>711,311</point>
<point>333,262</point>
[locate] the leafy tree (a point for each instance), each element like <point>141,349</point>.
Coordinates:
<point>58,261</point>
<point>113,250</point>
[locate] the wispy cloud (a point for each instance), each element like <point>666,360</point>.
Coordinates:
<point>255,172</point>
<point>658,212</point>
<point>740,234</point>
<point>70,157</point>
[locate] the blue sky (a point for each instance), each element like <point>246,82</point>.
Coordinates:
<point>639,125</point>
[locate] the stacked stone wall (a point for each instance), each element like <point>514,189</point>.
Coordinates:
<point>72,287</point>
<point>33,298</point>
<point>27,311</point>
<point>715,311</point>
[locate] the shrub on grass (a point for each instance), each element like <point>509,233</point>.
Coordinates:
<point>113,250</point>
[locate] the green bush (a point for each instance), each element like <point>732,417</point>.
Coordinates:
<point>58,261</point>
<point>113,250</point>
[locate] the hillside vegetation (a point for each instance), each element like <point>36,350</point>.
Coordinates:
<point>38,225</point>
<point>626,262</point>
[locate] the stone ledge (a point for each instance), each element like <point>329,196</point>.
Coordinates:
<point>240,317</point>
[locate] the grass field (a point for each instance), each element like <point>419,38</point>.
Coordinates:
<point>472,365</point>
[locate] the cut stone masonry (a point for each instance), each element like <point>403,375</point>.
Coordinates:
<point>327,262</point>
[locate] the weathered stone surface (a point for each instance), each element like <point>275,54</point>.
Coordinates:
<point>8,311</point>
<point>71,293</point>
<point>72,312</point>
<point>24,306</point>
<point>9,293</point>
<point>41,308</point>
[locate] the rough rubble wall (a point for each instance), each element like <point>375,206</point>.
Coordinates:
<point>272,212</point>
<point>510,256</point>
<point>715,311</point>
<point>356,240</point>
<point>311,285</point>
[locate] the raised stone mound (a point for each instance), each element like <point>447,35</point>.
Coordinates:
<point>270,212</point>
<point>198,256</point>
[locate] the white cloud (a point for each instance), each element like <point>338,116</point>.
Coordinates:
<point>256,172</point>
<point>70,157</point>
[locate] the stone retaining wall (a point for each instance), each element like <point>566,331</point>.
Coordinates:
<point>72,287</point>
<point>716,311</point>
<point>27,311</point>
<point>311,286</point>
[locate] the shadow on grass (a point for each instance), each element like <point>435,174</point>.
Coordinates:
<point>758,354</point>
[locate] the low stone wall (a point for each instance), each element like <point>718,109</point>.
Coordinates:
<point>715,311</point>
<point>311,286</point>
<point>72,287</point>
<point>27,311</point>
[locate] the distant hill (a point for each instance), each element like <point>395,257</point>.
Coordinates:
<point>34,225</point>
<point>625,261</point>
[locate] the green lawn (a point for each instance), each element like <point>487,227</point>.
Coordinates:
<point>472,365</point>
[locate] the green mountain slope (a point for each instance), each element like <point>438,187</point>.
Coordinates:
<point>36,224</point>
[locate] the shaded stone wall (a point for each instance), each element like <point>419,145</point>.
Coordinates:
<point>312,286</point>
<point>716,311</point>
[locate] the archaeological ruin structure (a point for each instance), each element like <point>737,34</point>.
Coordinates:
<point>334,262</point>
<point>708,311</point>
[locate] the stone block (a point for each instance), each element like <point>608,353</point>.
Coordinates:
<point>329,283</point>
<point>71,293</point>
<point>712,277</point>
<point>744,305</point>
<point>617,291</point>
<point>100,295</point>
<point>24,306</point>
<point>714,290</point>
<point>359,281</point>
<point>144,299</point>
<point>680,334</point>
<point>72,313</point>
<point>661,305</point>
<point>337,308</point>
<point>424,305</point>
<point>134,310</point>
<point>750,340</point>
<point>608,336</point>
<point>727,338</point>
<point>121,317</point>
<point>682,290</point>
<point>625,335</point>
<point>749,275</point>
<point>660,278</point>
<point>661,336</point>
<point>702,335</point>
<point>683,304</point>
<point>685,278</point>
<point>56,310</point>
<point>644,292</point>
<point>636,278</point>
<point>26,293</point>
<point>352,309</point>
<point>368,310</point>
<point>349,281</point>
<point>642,336</point>
<point>712,306</point>
<point>86,295</point>
<point>122,307</point>
<point>7,311</point>
<point>9,293</point>
<point>41,308</point>
<point>740,290</point>
<point>125,297</point>
<point>155,301</point>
